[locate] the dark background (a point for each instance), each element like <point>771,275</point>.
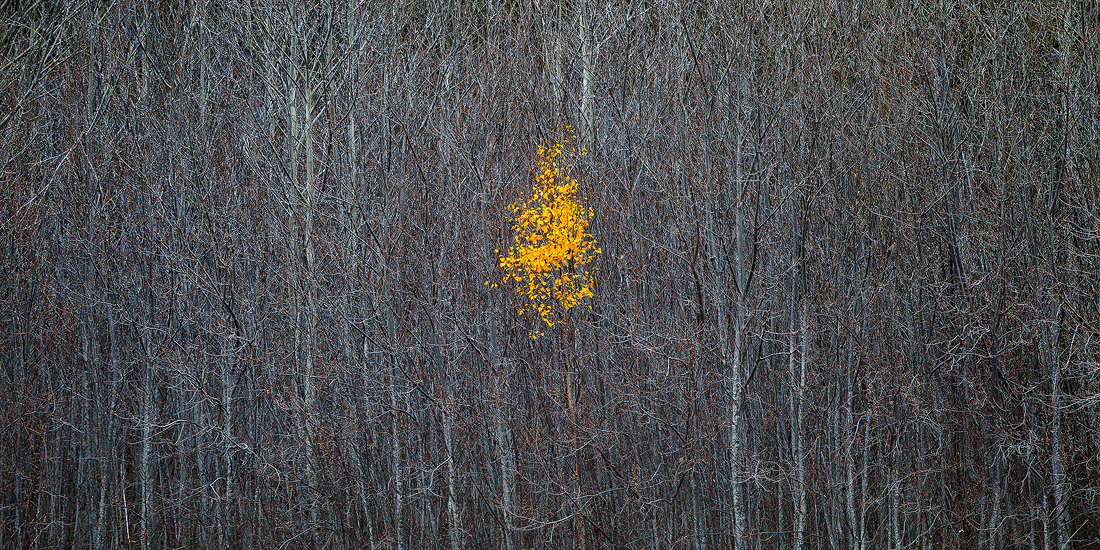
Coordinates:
<point>848,295</point>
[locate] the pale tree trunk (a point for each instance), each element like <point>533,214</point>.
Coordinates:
<point>1047,512</point>
<point>799,440</point>
<point>302,185</point>
<point>699,521</point>
<point>587,122</point>
<point>356,186</point>
<point>503,435</point>
<point>389,236</point>
<point>1058,473</point>
<point>995,482</point>
<point>570,366</point>
<point>308,377</point>
<point>699,541</point>
<point>179,289</point>
<point>449,100</point>
<point>146,328</point>
<point>447,412</point>
<point>109,447</point>
<point>507,469</point>
<point>741,279</point>
<point>849,454</point>
<point>90,352</point>
<point>1057,467</point>
<point>735,384</point>
<point>455,530</point>
<point>501,428</point>
<point>97,437</point>
<point>226,428</point>
<point>146,435</point>
<point>720,291</point>
<point>398,479</point>
<point>734,380</point>
<point>368,517</point>
<point>557,76</point>
<point>833,512</point>
<point>863,473</point>
<point>895,499</point>
<point>83,483</point>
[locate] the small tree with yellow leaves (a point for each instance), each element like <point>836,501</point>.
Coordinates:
<point>550,260</point>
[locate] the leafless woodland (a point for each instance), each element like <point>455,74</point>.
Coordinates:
<point>848,295</point>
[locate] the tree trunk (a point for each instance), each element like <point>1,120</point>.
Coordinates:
<point>799,446</point>
<point>1057,467</point>
<point>455,530</point>
<point>587,122</point>
<point>851,430</point>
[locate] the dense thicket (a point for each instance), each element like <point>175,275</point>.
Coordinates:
<point>847,296</point>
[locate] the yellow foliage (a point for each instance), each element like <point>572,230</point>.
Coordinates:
<point>550,258</point>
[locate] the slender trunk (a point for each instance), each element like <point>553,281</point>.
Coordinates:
<point>398,480</point>
<point>995,497</point>
<point>226,434</point>
<point>507,472</point>
<point>578,519</point>
<point>895,502</point>
<point>863,483</point>
<point>106,450</point>
<point>455,530</point>
<point>308,377</point>
<point>799,446</point>
<point>300,124</point>
<point>557,76</point>
<point>698,523</point>
<point>146,439</point>
<point>587,122</point>
<point>368,516</point>
<point>1060,481</point>
<point>849,455</point>
<point>1047,513</point>
<point>146,337</point>
<point>501,428</point>
<point>356,186</point>
<point>84,451</point>
<point>1058,472</point>
<point>502,432</point>
<point>720,290</point>
<point>735,433</point>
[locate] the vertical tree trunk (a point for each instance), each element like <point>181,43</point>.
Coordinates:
<point>739,519</point>
<point>110,447</point>
<point>1058,473</point>
<point>310,332</point>
<point>570,365</point>
<point>863,473</point>
<point>895,501</point>
<point>146,435</point>
<point>502,379</point>
<point>557,76</point>
<point>398,478</point>
<point>726,298</point>
<point>1057,467</point>
<point>507,471</point>
<point>226,429</point>
<point>851,430</point>
<point>146,325</point>
<point>799,445</point>
<point>587,121</point>
<point>995,483</point>
<point>454,530</point>
<point>502,433</point>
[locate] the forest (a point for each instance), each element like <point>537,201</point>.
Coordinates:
<point>838,287</point>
